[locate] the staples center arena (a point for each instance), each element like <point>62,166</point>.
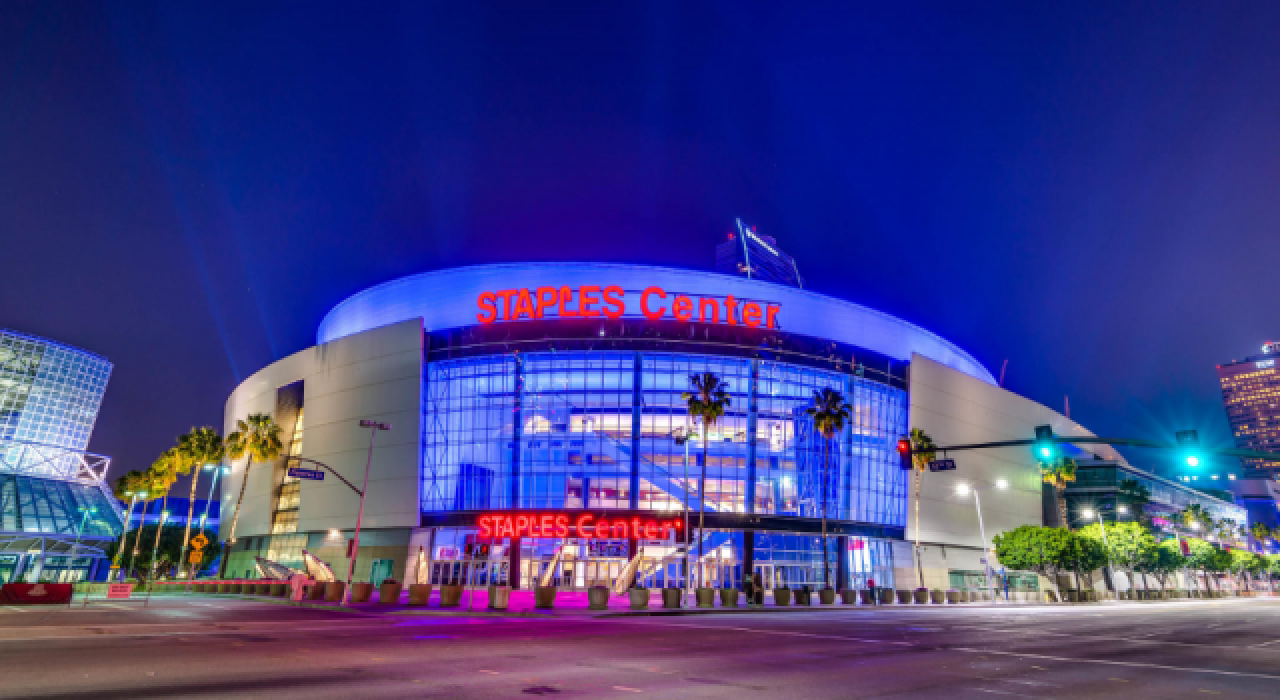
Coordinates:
<point>539,406</point>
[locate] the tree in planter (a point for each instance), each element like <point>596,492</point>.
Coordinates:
<point>1261,533</point>
<point>829,413</point>
<point>1087,555</point>
<point>169,551</point>
<point>1162,561</point>
<point>1059,473</point>
<point>1045,550</point>
<point>129,488</point>
<point>1204,557</point>
<point>922,452</point>
<point>201,446</point>
<point>1273,567</point>
<point>706,403</point>
<point>256,437</point>
<point>164,471</point>
<point>1126,545</point>
<point>1240,563</point>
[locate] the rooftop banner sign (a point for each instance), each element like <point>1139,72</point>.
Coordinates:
<point>612,301</point>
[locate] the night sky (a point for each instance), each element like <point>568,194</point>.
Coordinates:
<point>1087,191</point>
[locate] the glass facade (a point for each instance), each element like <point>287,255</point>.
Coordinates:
<point>606,430</point>
<point>47,506</point>
<point>49,393</point>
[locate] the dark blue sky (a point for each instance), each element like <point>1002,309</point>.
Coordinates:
<point>1089,191</point>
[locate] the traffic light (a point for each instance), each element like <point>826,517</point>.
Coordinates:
<point>904,453</point>
<point>1044,449</point>
<point>1189,445</point>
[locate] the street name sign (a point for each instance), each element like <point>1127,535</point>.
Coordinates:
<point>942,465</point>
<point>300,473</point>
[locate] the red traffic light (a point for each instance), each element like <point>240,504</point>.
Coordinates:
<point>904,446</point>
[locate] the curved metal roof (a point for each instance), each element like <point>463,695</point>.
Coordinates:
<point>448,299</point>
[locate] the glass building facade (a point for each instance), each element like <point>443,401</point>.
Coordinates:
<point>606,430</point>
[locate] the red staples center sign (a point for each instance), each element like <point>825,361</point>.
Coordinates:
<point>583,525</point>
<point>595,301</point>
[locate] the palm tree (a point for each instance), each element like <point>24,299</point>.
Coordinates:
<point>707,402</point>
<point>829,413</point>
<point>152,484</point>
<point>201,446</point>
<point>257,437</point>
<point>1197,515</point>
<point>130,487</point>
<point>922,452</point>
<point>1059,473</point>
<point>1260,532</point>
<point>164,471</point>
<point>1136,497</point>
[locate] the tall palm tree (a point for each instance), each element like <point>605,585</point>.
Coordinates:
<point>1059,473</point>
<point>707,403</point>
<point>1197,515</point>
<point>201,446</point>
<point>152,484</point>
<point>257,437</point>
<point>829,413</point>
<point>129,487</point>
<point>1260,532</point>
<point>164,471</point>
<point>922,452</point>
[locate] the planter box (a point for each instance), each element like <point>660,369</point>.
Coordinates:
<point>450,596</point>
<point>866,596</point>
<point>389,593</point>
<point>937,597</point>
<point>598,598</point>
<point>850,596</point>
<point>419,593</point>
<point>499,597</point>
<point>639,598</point>
<point>827,596</point>
<point>904,597</point>
<point>224,588</point>
<point>278,590</point>
<point>1050,597</point>
<point>544,597</point>
<point>333,591</point>
<point>920,596</point>
<point>315,591</point>
<point>1073,596</point>
<point>671,598</point>
<point>802,596</point>
<point>729,597</point>
<point>361,592</point>
<point>706,597</point>
<point>259,589</point>
<point>782,596</point>
<point>955,597</point>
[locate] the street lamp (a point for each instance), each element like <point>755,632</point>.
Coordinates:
<point>155,551</point>
<point>682,439</point>
<point>1089,513</point>
<point>963,489</point>
<point>124,530</point>
<point>133,554</point>
<point>374,427</point>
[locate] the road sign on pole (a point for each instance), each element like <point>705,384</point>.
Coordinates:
<point>301,473</point>
<point>942,465</point>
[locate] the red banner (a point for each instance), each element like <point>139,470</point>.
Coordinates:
<point>36,593</point>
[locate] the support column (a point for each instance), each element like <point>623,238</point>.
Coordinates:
<point>513,576</point>
<point>748,554</point>
<point>842,562</point>
<point>752,393</point>
<point>517,433</point>
<point>637,410</point>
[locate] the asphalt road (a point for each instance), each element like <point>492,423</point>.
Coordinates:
<point>216,647</point>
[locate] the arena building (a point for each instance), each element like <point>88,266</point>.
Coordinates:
<point>537,408</point>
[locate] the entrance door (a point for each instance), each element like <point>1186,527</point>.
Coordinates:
<point>381,571</point>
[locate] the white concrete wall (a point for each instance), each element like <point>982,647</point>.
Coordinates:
<point>376,374</point>
<point>955,408</point>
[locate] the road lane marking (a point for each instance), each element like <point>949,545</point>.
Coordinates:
<point>1108,662</point>
<point>629,690</point>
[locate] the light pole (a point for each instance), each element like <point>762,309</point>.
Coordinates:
<point>1088,513</point>
<point>963,489</point>
<point>133,554</point>
<point>155,551</point>
<point>208,502</point>
<point>374,427</point>
<point>683,439</point>
<point>124,529</point>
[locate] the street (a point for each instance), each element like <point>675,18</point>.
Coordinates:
<point>209,646</point>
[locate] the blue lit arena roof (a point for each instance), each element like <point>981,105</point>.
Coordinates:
<point>452,298</point>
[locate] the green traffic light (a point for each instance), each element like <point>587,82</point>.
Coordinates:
<point>1046,452</point>
<point>1193,461</point>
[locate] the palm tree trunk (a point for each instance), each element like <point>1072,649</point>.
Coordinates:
<point>155,551</point>
<point>231,534</point>
<point>826,568</point>
<point>702,502</point>
<point>1059,489</point>
<point>137,540</point>
<point>191,510</point>
<point>919,566</point>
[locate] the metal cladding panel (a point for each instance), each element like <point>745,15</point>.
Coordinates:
<point>448,299</point>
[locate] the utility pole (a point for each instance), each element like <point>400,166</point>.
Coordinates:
<point>374,427</point>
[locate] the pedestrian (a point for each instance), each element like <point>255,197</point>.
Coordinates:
<point>871,586</point>
<point>757,582</point>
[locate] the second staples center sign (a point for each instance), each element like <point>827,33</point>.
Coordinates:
<point>581,525</point>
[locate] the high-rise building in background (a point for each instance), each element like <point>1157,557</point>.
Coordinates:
<point>756,257</point>
<point>1251,395</point>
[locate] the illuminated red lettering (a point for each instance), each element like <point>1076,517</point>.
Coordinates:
<point>548,526</point>
<point>666,530</point>
<point>587,298</point>
<point>522,525</point>
<point>581,525</point>
<point>613,301</point>
<point>489,311</point>
<point>524,305</point>
<point>566,297</point>
<point>562,526</point>
<point>644,303</point>
<point>620,525</point>
<point>546,297</point>
<point>770,318</point>
<point>703,305</point>
<point>751,314</point>
<point>682,308</point>
<point>486,525</point>
<point>730,305</point>
<point>507,530</point>
<point>505,312</point>
<point>651,530</point>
